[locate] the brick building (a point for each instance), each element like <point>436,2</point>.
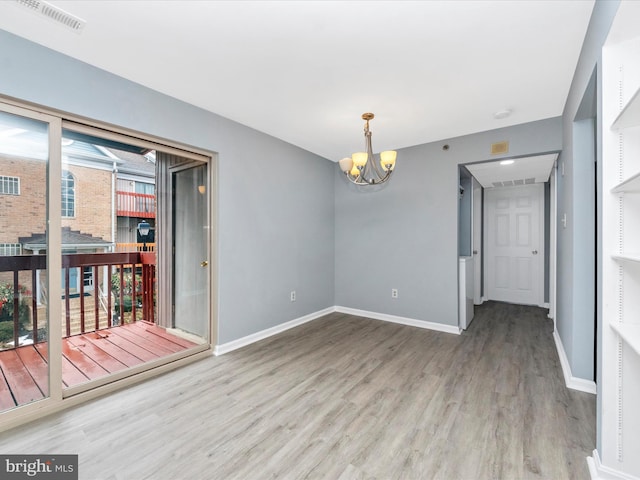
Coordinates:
<point>104,194</point>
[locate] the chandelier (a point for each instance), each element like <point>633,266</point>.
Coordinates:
<point>361,168</point>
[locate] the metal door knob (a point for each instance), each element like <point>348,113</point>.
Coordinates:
<point>535,252</point>
<point>204,263</point>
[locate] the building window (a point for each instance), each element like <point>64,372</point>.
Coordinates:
<point>10,249</point>
<point>68,195</point>
<point>9,185</point>
<point>87,277</point>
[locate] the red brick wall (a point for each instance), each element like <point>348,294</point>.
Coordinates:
<point>93,202</point>
<point>25,214</point>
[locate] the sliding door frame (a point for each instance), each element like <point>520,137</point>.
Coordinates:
<point>162,241</point>
<point>60,399</point>
<point>54,262</point>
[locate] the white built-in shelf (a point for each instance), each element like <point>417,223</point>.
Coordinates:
<point>630,114</point>
<point>629,333</point>
<point>627,257</point>
<point>631,184</point>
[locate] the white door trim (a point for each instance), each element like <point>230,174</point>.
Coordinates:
<point>476,239</point>
<point>553,241</point>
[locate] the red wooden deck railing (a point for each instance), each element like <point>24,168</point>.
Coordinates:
<point>124,266</point>
<point>132,204</point>
<point>135,247</point>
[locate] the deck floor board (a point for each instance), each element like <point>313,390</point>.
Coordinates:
<point>6,399</point>
<point>89,367</point>
<point>134,348</point>
<point>124,356</point>
<point>161,332</point>
<point>20,381</point>
<point>142,339</point>
<point>36,366</point>
<point>24,371</point>
<point>106,361</point>
<point>155,338</point>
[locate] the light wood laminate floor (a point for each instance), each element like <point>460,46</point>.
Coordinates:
<point>343,397</point>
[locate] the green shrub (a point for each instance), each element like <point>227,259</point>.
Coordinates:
<point>127,291</point>
<point>6,331</point>
<point>6,304</point>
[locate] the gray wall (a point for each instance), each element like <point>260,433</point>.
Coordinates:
<point>274,233</point>
<point>574,289</point>
<point>404,236</point>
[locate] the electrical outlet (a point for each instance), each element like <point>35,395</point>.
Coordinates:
<point>293,295</point>
<point>394,293</point>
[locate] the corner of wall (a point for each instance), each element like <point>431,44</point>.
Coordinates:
<point>570,381</point>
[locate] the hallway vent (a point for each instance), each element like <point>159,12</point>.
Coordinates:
<point>514,183</point>
<point>54,13</point>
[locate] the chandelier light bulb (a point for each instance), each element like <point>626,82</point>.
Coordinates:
<point>360,158</point>
<point>346,164</point>
<point>359,170</point>
<point>388,159</point>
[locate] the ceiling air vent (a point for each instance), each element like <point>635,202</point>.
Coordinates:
<point>499,148</point>
<point>54,13</point>
<point>514,183</point>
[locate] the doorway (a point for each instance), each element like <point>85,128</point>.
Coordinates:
<point>84,311</point>
<point>516,272</point>
<point>191,255</point>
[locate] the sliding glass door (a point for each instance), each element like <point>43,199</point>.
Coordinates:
<point>116,226</point>
<point>191,254</point>
<point>27,166</point>
<point>104,258</point>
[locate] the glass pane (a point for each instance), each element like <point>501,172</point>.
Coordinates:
<point>191,261</point>
<point>109,285</point>
<point>24,318</point>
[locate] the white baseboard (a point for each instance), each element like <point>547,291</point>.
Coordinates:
<point>256,337</point>
<point>600,472</point>
<point>440,327</point>
<point>570,381</point>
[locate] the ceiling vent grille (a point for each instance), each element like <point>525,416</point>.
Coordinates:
<point>513,183</point>
<point>499,148</point>
<point>53,13</point>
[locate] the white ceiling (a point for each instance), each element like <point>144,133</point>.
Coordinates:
<point>305,71</point>
<point>523,170</point>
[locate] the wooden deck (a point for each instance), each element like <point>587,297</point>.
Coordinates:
<point>24,370</point>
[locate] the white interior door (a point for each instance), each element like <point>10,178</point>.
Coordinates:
<point>515,244</point>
